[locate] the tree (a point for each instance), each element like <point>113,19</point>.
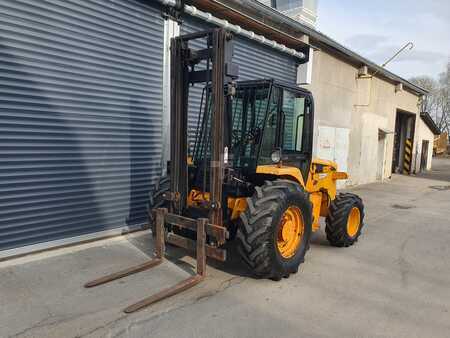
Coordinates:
<point>437,102</point>
<point>443,100</point>
<point>429,103</point>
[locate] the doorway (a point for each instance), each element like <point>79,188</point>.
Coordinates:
<point>402,160</point>
<point>424,156</point>
<point>380,154</point>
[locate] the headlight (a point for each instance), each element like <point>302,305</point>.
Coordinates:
<point>276,156</point>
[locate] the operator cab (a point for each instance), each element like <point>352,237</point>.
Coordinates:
<point>267,123</point>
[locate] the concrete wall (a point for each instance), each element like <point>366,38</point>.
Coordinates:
<point>360,112</point>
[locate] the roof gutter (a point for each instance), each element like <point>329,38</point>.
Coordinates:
<point>208,17</point>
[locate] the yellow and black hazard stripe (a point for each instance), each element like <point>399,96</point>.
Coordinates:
<point>408,156</point>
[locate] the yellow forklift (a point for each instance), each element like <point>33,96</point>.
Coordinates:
<point>249,176</point>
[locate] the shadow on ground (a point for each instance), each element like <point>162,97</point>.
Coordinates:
<point>440,170</point>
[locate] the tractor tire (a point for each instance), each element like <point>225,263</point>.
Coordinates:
<point>345,220</point>
<point>156,200</point>
<point>260,237</point>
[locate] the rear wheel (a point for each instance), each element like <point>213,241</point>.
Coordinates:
<point>274,232</point>
<point>345,220</point>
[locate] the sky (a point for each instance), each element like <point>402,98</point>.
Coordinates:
<point>377,29</point>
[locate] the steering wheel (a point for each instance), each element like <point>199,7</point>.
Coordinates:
<point>253,135</point>
<point>249,137</point>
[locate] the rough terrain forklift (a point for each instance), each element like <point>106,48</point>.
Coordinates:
<point>248,174</point>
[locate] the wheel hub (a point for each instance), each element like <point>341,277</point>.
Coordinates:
<point>291,232</point>
<point>288,230</point>
<point>353,222</point>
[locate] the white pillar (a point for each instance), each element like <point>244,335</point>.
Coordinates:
<point>171,30</point>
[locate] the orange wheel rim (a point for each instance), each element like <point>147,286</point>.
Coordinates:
<point>291,232</point>
<point>353,222</point>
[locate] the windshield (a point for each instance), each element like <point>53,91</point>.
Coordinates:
<point>248,110</point>
<point>248,116</point>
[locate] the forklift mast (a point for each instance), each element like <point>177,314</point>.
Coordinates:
<point>213,67</point>
<point>218,72</point>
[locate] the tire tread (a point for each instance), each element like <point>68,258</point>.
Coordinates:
<point>336,221</point>
<point>255,231</point>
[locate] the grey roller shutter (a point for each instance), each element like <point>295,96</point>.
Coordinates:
<point>255,60</point>
<point>80,116</point>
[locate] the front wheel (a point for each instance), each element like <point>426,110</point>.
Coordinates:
<point>345,220</point>
<point>274,232</point>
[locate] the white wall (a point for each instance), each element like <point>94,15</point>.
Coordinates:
<point>333,144</point>
<point>369,160</point>
<point>171,30</point>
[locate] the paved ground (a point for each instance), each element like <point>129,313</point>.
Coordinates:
<point>395,282</point>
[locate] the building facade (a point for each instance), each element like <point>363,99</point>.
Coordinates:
<point>84,108</point>
<point>361,120</point>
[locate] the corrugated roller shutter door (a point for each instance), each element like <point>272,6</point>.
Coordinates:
<point>80,116</point>
<point>256,61</point>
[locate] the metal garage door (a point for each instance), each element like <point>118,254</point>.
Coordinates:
<point>255,60</point>
<point>80,116</point>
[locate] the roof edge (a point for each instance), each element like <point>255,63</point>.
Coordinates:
<point>430,123</point>
<point>271,17</point>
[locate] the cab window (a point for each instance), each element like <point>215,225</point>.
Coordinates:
<point>293,113</point>
<point>270,128</point>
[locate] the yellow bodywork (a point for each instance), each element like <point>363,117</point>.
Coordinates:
<point>291,173</point>
<point>237,205</point>
<point>321,185</point>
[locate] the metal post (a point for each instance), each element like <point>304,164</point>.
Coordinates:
<point>178,130</point>
<point>160,243</point>
<point>201,246</point>
<point>217,123</point>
